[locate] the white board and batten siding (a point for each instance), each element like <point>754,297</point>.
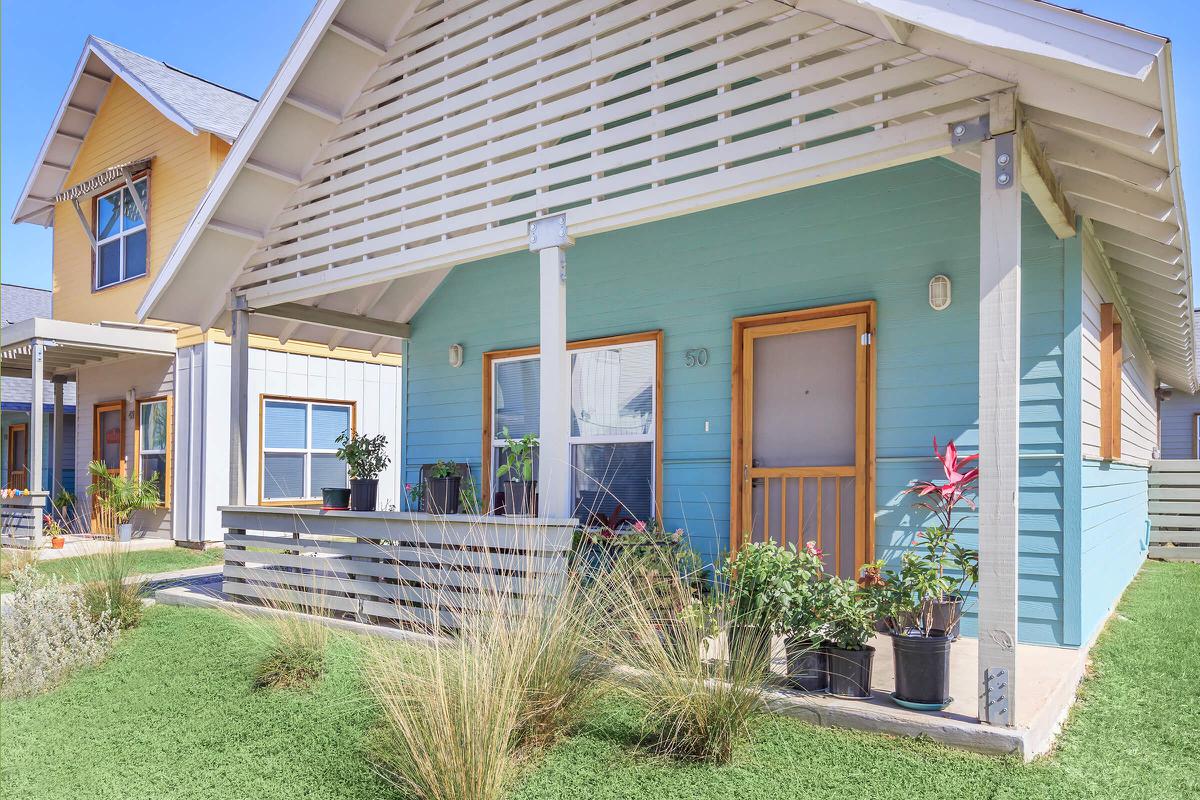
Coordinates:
<point>202,427</point>
<point>1139,425</point>
<point>132,378</point>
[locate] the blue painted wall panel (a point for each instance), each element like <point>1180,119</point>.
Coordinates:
<point>879,236</point>
<point>1115,525</point>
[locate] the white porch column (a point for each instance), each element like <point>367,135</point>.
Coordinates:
<point>548,238</point>
<point>999,419</point>
<point>239,393</point>
<point>59,382</point>
<point>36,427</point>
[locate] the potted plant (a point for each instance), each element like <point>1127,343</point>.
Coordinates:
<point>957,564</point>
<point>121,497</point>
<point>921,653</point>
<point>763,587</point>
<point>804,624</point>
<point>516,474</point>
<point>335,499</point>
<point>849,609</point>
<point>442,494</point>
<point>365,457</point>
<point>55,531</point>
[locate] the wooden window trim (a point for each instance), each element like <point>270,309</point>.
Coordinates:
<point>262,406</point>
<point>12,431</point>
<point>492,356</point>
<point>169,455</point>
<point>95,200</point>
<point>1111,382</point>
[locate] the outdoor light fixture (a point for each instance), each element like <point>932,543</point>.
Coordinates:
<point>456,355</point>
<point>939,292</point>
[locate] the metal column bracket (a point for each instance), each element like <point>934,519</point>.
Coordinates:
<point>971,131</point>
<point>997,687</point>
<point>1004,160</point>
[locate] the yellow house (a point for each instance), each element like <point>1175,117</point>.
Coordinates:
<point>129,155</point>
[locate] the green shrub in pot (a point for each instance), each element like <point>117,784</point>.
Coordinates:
<point>365,457</point>
<point>764,584</point>
<point>849,608</point>
<point>121,497</point>
<point>803,623</point>
<point>442,495</point>
<point>516,475</point>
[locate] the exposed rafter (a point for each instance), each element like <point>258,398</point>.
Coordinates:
<point>311,315</point>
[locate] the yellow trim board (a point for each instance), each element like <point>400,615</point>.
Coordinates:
<point>192,335</point>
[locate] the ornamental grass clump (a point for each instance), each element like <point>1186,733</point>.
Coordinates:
<point>109,585</point>
<point>47,633</point>
<point>512,673</point>
<point>699,686</point>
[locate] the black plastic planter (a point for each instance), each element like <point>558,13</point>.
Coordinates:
<point>922,669</point>
<point>850,671</point>
<point>363,493</point>
<point>441,494</point>
<point>807,665</point>
<point>335,499</point>
<point>519,497</point>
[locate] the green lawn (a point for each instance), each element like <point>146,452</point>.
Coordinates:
<point>144,562</point>
<point>172,715</point>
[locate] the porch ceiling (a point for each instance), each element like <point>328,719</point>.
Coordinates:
<point>400,139</point>
<point>70,345</point>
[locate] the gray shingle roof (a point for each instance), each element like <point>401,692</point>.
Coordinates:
<point>19,303</point>
<point>205,105</point>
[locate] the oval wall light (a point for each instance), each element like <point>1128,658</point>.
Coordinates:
<point>939,292</point>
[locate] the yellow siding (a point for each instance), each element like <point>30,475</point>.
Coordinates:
<point>125,128</point>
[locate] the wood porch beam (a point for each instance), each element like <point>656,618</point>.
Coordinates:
<point>326,318</point>
<point>1042,186</point>
<point>999,418</point>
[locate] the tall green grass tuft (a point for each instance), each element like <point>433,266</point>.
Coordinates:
<point>699,685</point>
<point>109,585</point>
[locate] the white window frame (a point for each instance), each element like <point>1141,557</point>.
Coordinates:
<point>308,451</point>
<point>121,234</point>
<point>498,441</point>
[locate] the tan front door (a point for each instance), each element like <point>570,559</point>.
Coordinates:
<point>108,446</point>
<point>802,432</point>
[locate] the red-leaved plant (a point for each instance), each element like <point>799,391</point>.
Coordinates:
<point>941,499</point>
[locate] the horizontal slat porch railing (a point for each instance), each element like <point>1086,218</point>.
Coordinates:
<point>1175,510</point>
<point>389,567</point>
<point>21,520</point>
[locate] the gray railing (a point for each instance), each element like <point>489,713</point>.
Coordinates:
<point>1175,510</point>
<point>21,519</point>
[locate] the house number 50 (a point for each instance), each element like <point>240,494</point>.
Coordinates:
<point>696,357</point>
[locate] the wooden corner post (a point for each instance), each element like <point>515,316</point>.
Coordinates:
<point>999,404</point>
<point>239,394</point>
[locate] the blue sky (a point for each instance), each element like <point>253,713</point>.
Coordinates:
<point>240,44</point>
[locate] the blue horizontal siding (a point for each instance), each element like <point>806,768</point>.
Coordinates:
<point>879,236</point>
<point>1115,535</point>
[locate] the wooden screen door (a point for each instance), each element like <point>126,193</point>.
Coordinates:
<point>802,432</point>
<point>108,446</point>
<point>18,456</point>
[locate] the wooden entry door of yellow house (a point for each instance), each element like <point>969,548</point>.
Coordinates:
<point>108,446</point>
<point>803,424</point>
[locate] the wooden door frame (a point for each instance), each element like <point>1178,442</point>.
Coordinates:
<point>22,426</point>
<point>738,411</point>
<point>97,410</point>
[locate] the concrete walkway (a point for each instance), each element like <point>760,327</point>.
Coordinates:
<point>87,546</point>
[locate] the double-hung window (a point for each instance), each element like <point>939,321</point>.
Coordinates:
<point>121,235</point>
<point>299,448</point>
<point>613,427</point>
<point>153,432</point>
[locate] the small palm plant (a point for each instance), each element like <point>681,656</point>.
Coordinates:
<point>120,497</point>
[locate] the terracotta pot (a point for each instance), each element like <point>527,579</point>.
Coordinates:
<point>57,542</point>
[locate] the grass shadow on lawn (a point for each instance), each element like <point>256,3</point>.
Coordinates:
<point>172,715</point>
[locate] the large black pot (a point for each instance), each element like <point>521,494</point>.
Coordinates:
<point>441,494</point>
<point>335,499</point>
<point>519,497</point>
<point>850,671</point>
<point>363,493</point>
<point>807,665</point>
<point>922,668</point>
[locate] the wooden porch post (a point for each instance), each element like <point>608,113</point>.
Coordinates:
<point>999,402</point>
<point>59,382</point>
<point>239,392</point>
<point>548,238</point>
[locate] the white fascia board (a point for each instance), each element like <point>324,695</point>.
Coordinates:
<point>1035,28</point>
<point>306,43</point>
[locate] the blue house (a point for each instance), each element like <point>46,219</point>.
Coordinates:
<point>736,265</point>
